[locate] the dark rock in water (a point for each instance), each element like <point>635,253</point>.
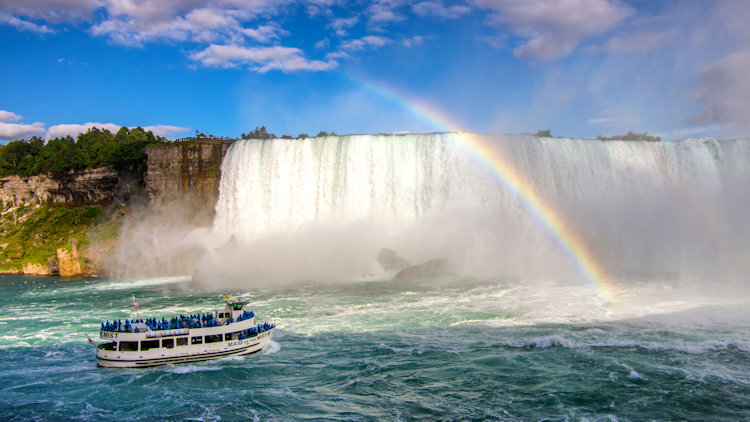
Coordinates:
<point>390,261</point>
<point>431,269</point>
<point>230,245</point>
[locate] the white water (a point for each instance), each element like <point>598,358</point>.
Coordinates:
<point>322,208</point>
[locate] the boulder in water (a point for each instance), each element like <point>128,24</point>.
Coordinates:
<point>390,261</point>
<point>431,269</point>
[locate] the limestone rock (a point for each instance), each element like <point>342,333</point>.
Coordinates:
<point>35,269</point>
<point>69,263</point>
<point>390,261</point>
<point>52,265</point>
<point>11,271</point>
<point>75,187</point>
<point>188,173</point>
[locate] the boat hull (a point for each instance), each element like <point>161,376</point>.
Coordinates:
<point>134,359</point>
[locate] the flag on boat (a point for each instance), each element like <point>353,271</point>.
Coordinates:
<point>135,304</point>
<point>91,342</point>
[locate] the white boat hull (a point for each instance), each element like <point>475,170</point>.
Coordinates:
<point>182,354</point>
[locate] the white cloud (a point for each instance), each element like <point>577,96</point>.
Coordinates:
<point>165,130</point>
<point>338,55</point>
<point>553,28</point>
<point>412,41</point>
<point>364,42</point>
<point>639,42</point>
<point>9,117</point>
<point>339,25</point>
<point>434,8</point>
<point>52,10</point>
<point>134,22</point>
<point>58,131</point>
<point>260,59</point>
<point>323,44</point>
<point>73,130</point>
<point>383,12</point>
<point>613,122</point>
<point>23,25</point>
<point>10,131</point>
<point>265,33</point>
<point>725,91</point>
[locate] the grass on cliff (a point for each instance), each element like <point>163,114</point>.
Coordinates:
<point>32,234</point>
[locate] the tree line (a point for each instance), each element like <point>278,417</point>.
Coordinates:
<point>262,133</point>
<point>124,151</point>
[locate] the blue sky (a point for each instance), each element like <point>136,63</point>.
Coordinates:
<point>580,68</point>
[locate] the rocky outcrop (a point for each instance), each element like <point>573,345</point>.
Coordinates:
<point>390,261</point>
<point>69,262</point>
<point>73,188</point>
<point>36,269</point>
<point>188,172</point>
<point>431,269</point>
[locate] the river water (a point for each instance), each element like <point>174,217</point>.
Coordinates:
<point>454,349</point>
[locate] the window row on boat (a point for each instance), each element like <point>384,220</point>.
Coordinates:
<point>170,343</point>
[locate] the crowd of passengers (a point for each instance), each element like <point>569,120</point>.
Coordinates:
<point>254,331</point>
<point>182,321</point>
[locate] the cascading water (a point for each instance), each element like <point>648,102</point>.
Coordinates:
<point>323,207</point>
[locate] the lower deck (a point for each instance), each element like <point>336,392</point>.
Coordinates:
<point>181,349</point>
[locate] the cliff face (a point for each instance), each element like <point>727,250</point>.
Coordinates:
<point>75,188</point>
<point>188,173</point>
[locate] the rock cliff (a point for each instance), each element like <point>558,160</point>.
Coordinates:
<point>187,172</point>
<point>74,188</point>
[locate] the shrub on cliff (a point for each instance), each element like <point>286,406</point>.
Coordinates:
<point>631,136</point>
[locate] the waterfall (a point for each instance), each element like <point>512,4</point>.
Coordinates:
<point>325,206</point>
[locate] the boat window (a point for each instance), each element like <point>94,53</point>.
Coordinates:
<point>237,307</point>
<point>214,338</point>
<point>108,346</point>
<point>233,336</point>
<point>128,346</point>
<point>168,343</point>
<point>182,341</point>
<point>196,340</point>
<point>149,344</point>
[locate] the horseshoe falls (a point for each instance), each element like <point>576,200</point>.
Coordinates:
<point>323,208</point>
<point>443,276</point>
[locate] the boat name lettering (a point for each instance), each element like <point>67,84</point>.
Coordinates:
<point>105,334</point>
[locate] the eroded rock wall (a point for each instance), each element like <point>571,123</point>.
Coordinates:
<point>74,188</point>
<point>188,173</point>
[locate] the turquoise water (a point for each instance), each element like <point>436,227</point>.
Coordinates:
<point>369,350</point>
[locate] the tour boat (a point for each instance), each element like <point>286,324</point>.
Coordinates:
<point>186,338</point>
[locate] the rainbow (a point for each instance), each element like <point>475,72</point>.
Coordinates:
<point>576,250</point>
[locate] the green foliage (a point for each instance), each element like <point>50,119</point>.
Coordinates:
<point>262,133</point>
<point>258,133</point>
<point>124,151</point>
<point>544,133</point>
<point>631,136</point>
<point>33,234</point>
